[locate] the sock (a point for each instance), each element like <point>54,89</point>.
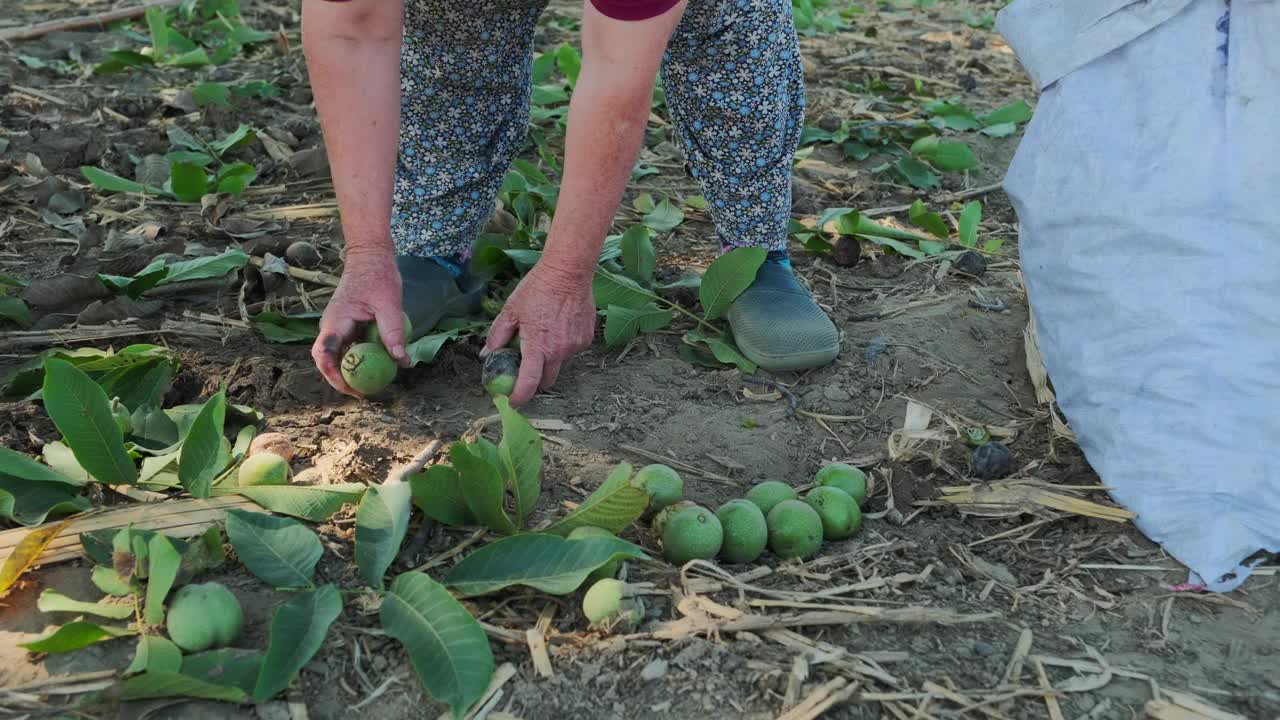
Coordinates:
<point>779,257</point>
<point>455,265</point>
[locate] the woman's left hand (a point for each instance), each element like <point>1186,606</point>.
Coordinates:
<point>554,313</point>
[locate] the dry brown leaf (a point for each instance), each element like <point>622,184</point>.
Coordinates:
<point>1183,706</point>
<point>1015,497</point>
<point>27,552</point>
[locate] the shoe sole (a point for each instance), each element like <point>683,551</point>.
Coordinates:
<point>791,361</point>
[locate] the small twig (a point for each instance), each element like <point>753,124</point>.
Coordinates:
<point>311,276</point>
<point>997,305</point>
<point>24,90</point>
<point>402,473</point>
<point>378,691</point>
<point>89,333</point>
<point>790,396</point>
<point>681,466</point>
<point>408,556</point>
<point>98,20</point>
<point>947,363</point>
<point>962,195</point>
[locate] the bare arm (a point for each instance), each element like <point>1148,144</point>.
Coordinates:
<point>353,58</point>
<point>552,309</point>
<point>607,118</point>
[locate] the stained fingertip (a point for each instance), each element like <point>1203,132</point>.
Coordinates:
<point>528,380</point>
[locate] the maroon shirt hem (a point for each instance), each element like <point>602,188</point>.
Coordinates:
<point>633,9</point>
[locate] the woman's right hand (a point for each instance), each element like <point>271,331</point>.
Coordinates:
<point>369,291</point>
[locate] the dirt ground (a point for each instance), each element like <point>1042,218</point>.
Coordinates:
<point>1092,598</point>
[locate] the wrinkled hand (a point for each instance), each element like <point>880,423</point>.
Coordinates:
<point>555,316</point>
<point>369,291</point>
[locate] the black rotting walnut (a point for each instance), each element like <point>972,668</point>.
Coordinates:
<point>971,262</point>
<point>847,252</point>
<point>991,461</point>
<point>303,254</point>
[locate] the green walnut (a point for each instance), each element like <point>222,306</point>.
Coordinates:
<point>204,616</point>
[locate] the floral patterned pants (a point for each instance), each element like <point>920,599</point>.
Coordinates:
<point>733,80</point>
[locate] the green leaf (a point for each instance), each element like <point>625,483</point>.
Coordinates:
<point>1000,130</point>
<point>542,561</point>
<point>281,552</point>
<point>916,173</point>
<point>20,466</point>
<point>106,579</point>
<point>234,178</point>
<point>899,246</point>
<point>159,684</point>
<point>277,328</point>
<point>162,570</point>
<point>256,88</point>
<point>229,667</point>
<point>520,455</point>
<point>943,155</point>
<point>82,413</point>
<point>1016,112</point>
<point>622,324</point>
<point>569,62</point>
<point>183,139</point>
<point>691,281</point>
<point>817,244</point>
<point>191,59</point>
<point>240,137</point>
<point>213,266</point>
<point>448,648</point>
<point>930,222</point>
<point>932,247</point>
<point>425,348</point>
<point>135,286</point>
<point>728,276</point>
<point>157,24</point>
<point>381,523</point>
<point>856,150</point>
<point>188,181</point>
<point>638,255</point>
<point>723,350</point>
<point>202,456</point>
<point>15,310</point>
<point>98,544</point>
<point>644,203</point>
<point>970,218</point>
<point>161,470</point>
<point>992,245</point>
<point>437,491</point>
<point>111,182</point>
<point>297,632</point>
<point>30,503</point>
<point>611,289</point>
<point>155,654</point>
<point>477,464</point>
<point>121,60</point>
<point>314,503</point>
<point>953,116</point>
<point>211,93</point>
<point>150,426</point>
<point>51,601</point>
<point>73,636</point>
<point>140,385</point>
<point>201,554</point>
<point>543,66</point>
<point>613,506</point>
<point>664,217</point>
